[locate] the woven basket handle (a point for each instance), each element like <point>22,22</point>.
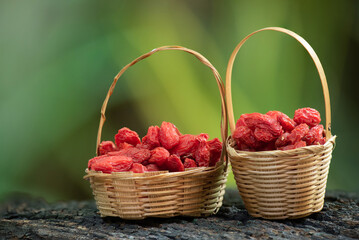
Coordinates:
<point>224,128</point>
<point>311,53</point>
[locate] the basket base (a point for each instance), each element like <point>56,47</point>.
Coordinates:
<point>196,192</point>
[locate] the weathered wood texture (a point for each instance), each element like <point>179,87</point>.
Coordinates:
<point>22,217</point>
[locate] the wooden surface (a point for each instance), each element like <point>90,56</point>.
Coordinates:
<point>22,217</point>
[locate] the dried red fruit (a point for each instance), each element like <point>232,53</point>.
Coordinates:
<point>202,154</point>
<point>263,135</point>
<point>293,146</point>
<point>258,120</point>
<point>154,153</point>
<point>152,167</point>
<point>102,166</point>
<point>152,138</point>
<point>244,135</point>
<point>282,140</point>
<point>138,155</point>
<point>315,135</point>
<point>174,164</point>
<point>215,148</point>
<point>110,164</point>
<point>258,132</point>
<point>105,147</point>
<point>145,163</point>
<point>321,141</point>
<point>309,116</point>
<point>94,160</point>
<point>186,146</point>
<point>125,135</point>
<point>189,163</point>
<point>298,133</point>
<point>121,163</point>
<point>159,156</point>
<point>255,130</point>
<point>138,168</point>
<point>125,146</point>
<point>143,146</point>
<point>202,137</point>
<point>240,121</point>
<point>287,123</point>
<point>169,135</point>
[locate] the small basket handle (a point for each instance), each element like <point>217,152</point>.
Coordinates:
<point>311,53</point>
<point>224,125</point>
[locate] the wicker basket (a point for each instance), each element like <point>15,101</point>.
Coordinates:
<point>281,184</point>
<point>193,192</point>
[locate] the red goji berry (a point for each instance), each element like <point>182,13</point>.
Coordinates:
<point>293,146</point>
<point>202,137</point>
<point>110,164</point>
<point>189,163</point>
<point>286,122</point>
<point>202,154</point>
<point>255,130</point>
<point>161,149</point>
<point>258,120</point>
<point>258,132</point>
<point>121,163</point>
<point>174,164</point>
<point>94,160</point>
<point>138,155</point>
<point>125,135</point>
<point>282,140</point>
<point>169,135</point>
<point>126,145</point>
<point>309,116</point>
<point>321,141</point>
<point>298,133</point>
<point>143,146</point>
<point>315,135</point>
<point>186,146</point>
<point>244,136</point>
<point>102,166</point>
<point>152,167</point>
<point>159,156</point>
<point>215,148</point>
<point>152,138</point>
<point>145,163</point>
<point>240,121</point>
<point>106,146</point>
<point>138,168</point>
<point>263,135</point>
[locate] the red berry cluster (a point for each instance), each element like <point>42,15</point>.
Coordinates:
<point>163,148</point>
<point>276,131</point>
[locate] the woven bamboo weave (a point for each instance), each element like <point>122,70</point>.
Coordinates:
<point>193,192</point>
<point>281,184</point>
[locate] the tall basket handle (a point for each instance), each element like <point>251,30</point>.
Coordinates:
<point>311,53</point>
<point>224,125</point>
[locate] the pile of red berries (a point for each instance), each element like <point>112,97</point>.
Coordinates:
<point>276,131</point>
<point>163,148</point>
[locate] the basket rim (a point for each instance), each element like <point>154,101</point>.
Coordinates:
<point>155,174</point>
<point>330,143</point>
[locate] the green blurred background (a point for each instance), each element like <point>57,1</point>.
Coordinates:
<point>58,59</point>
